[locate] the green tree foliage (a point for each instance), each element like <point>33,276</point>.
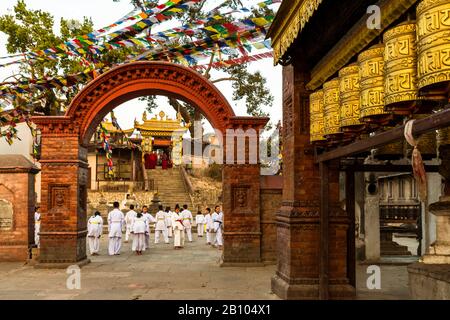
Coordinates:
<point>34,30</point>
<point>247,86</point>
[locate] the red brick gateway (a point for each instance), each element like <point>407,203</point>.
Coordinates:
<point>65,167</point>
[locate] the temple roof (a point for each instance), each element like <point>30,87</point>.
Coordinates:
<point>288,24</point>
<point>164,126</point>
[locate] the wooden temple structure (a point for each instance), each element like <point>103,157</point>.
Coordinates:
<point>354,74</point>
<point>157,136</point>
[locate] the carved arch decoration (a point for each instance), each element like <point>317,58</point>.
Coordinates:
<point>137,79</point>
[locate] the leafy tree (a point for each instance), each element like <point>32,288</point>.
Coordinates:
<point>246,85</point>
<point>33,30</point>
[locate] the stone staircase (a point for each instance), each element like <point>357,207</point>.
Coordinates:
<point>170,187</point>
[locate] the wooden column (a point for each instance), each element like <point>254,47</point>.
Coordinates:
<point>350,208</point>
<point>298,220</point>
<point>324,231</point>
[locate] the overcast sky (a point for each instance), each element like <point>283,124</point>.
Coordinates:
<point>105,12</point>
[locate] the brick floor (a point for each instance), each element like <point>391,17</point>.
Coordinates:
<point>164,273</point>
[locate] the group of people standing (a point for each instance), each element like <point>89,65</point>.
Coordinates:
<point>169,224</point>
<point>151,161</point>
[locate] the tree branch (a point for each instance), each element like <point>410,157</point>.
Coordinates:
<point>225,79</point>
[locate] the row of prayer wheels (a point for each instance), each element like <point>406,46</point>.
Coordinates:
<point>408,73</point>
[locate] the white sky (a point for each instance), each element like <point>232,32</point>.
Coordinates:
<point>105,12</point>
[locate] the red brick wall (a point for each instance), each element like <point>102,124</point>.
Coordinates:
<point>18,189</point>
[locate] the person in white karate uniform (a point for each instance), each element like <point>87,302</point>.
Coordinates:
<point>178,229</point>
<point>210,235</point>
<point>129,221</point>
<point>218,226</point>
<point>161,226</point>
<point>95,230</point>
<point>37,227</point>
<point>115,224</point>
<point>169,222</point>
<point>149,218</point>
<point>139,230</point>
<point>186,215</point>
<point>200,221</point>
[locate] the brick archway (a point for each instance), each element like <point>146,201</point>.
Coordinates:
<point>65,168</point>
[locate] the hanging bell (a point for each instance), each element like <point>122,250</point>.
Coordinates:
<point>433,47</point>
<point>400,64</point>
<point>350,99</point>
<point>316,117</point>
<point>371,68</point>
<point>331,109</point>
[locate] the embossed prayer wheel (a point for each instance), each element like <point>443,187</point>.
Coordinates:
<point>316,103</point>
<point>371,70</point>
<point>443,137</point>
<point>400,66</point>
<point>392,151</point>
<point>331,109</point>
<point>350,99</point>
<point>433,47</point>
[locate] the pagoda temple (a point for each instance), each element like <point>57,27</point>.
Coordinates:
<point>154,142</point>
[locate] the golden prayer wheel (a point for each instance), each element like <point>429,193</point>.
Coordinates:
<point>400,65</point>
<point>433,47</point>
<point>371,70</point>
<point>443,136</point>
<point>392,151</point>
<point>331,109</point>
<point>349,98</point>
<point>427,142</point>
<point>316,116</point>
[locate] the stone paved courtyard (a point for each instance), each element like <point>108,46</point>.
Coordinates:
<point>165,273</point>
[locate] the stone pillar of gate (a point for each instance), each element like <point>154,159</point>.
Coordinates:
<point>64,195</point>
<point>298,220</point>
<point>241,193</point>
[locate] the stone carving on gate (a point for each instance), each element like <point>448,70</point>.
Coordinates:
<point>6,215</point>
<point>59,198</point>
<point>240,198</point>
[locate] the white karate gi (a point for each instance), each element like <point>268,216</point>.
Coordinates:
<point>178,230</point>
<point>186,215</point>
<point>218,227</point>
<point>169,224</point>
<point>161,227</point>
<point>129,221</point>
<point>115,223</point>
<point>95,230</point>
<point>37,229</point>
<point>149,218</point>
<point>210,236</point>
<point>139,228</point>
<point>200,221</point>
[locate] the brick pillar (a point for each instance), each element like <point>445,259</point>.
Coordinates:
<point>17,204</point>
<point>339,284</point>
<point>64,194</point>
<point>241,193</point>
<point>298,220</point>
